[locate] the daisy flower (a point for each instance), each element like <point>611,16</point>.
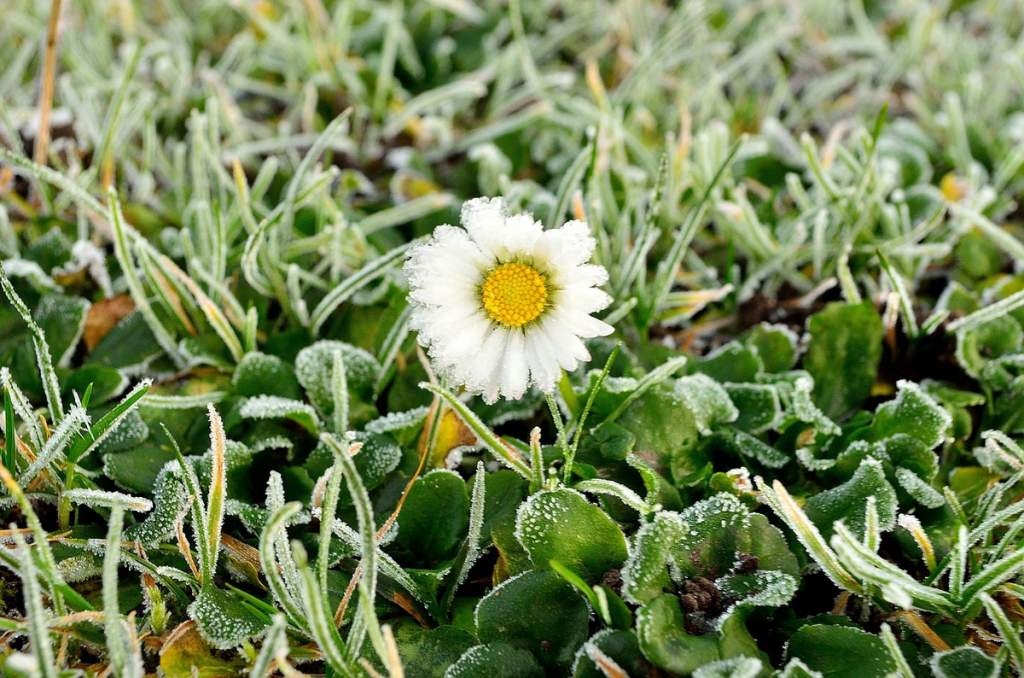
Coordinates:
<point>501,304</point>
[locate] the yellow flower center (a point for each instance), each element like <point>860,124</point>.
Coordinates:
<point>514,294</point>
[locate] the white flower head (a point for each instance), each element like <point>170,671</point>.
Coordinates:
<point>501,304</point>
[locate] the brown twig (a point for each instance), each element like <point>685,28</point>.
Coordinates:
<point>49,75</point>
<point>918,626</point>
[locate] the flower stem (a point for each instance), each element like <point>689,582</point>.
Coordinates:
<point>567,452</point>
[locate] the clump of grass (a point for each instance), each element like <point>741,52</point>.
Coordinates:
<point>223,451</point>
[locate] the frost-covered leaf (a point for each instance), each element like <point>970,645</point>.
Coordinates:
<point>261,374</point>
<point>757,405</point>
<point>977,347</point>
<point>378,456</point>
<point>846,502</point>
<point>495,660</point>
<point>802,407</point>
<point>708,539</point>
<point>735,667</point>
<point>919,489</point>
<point>130,432</point>
<point>707,401</point>
<point>104,499</point>
<point>275,407</point>
<point>396,422</point>
<point>767,588</point>
<point>733,362</point>
<point>314,365</point>
<point>222,620</point>
<point>562,525</point>
<point>755,448</point>
<point>170,499</point>
<point>62,319</point>
<point>843,355</point>
<point>775,346</point>
<point>964,661</point>
<point>646,573</point>
<point>912,412</point>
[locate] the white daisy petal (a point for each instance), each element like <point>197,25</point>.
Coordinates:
<point>584,299</point>
<point>519,234</point>
<point>487,370</point>
<point>501,304</point>
<point>515,373</point>
<point>484,219</point>
<point>544,368</point>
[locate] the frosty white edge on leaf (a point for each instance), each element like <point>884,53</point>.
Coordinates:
<point>501,303</point>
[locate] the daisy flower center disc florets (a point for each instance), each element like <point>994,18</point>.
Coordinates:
<point>514,294</point>
<point>502,304</point>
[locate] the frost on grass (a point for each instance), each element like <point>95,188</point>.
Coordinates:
<point>104,499</point>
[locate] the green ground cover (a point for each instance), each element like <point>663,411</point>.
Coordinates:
<point>240,435</point>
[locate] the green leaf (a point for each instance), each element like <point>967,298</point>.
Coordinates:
<point>734,667</point>
<point>757,405</point>
<point>706,540</point>
<point>262,374</point>
<point>750,446</point>
<point>775,346</point>
<point>538,612</point>
<point>843,354</point>
<point>964,661</point>
<point>762,588</point>
<point>426,653</point>
<point>62,320</point>
<point>977,347</point>
<point>314,367</point>
<point>435,517</point>
<point>841,651</point>
<point>733,362</point>
<point>707,401</point>
<point>562,525</point>
<point>136,469</point>
<point>106,383</point>
<point>666,433</point>
<point>621,647</point>
<point>378,457</point>
<point>846,502</point>
<point>275,407</point>
<point>223,620</point>
<point>495,660</point>
<point>185,654</point>
<point>913,412</point>
<point>129,344</point>
<point>664,641</point>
